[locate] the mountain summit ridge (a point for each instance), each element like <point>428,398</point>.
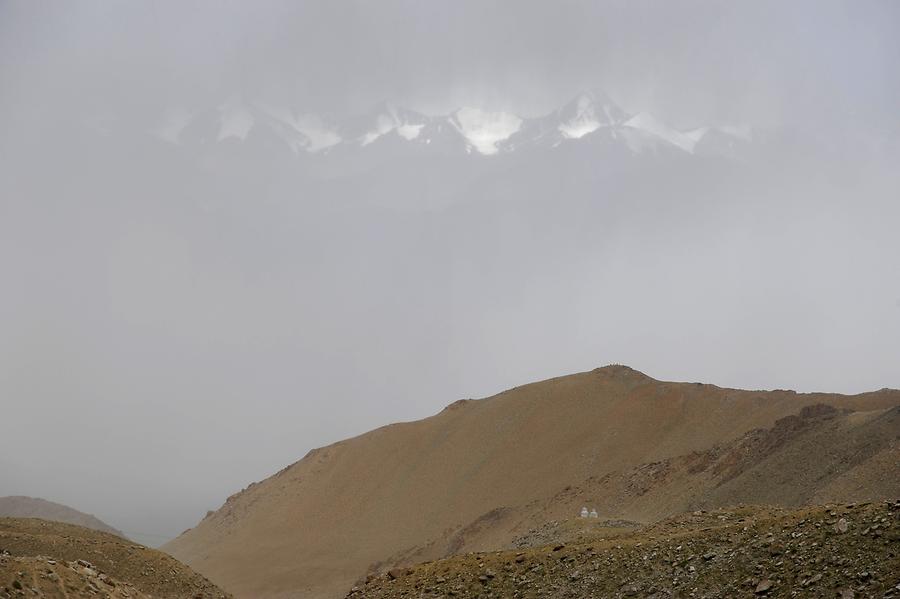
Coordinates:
<point>480,131</point>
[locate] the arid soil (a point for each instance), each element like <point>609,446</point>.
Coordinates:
<point>843,551</point>
<point>482,474</point>
<point>89,563</point>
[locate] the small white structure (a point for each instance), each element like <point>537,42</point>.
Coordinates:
<point>594,513</point>
<point>584,512</point>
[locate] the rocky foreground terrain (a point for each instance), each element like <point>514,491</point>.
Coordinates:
<point>39,558</point>
<point>47,577</point>
<point>845,551</point>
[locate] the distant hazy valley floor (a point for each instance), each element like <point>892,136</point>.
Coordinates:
<point>513,472</point>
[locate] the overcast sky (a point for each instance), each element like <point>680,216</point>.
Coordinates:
<point>158,354</point>
<point>686,60</point>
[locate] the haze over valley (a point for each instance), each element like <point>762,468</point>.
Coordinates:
<point>299,293</point>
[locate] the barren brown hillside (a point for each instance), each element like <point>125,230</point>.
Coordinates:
<point>17,506</point>
<point>39,558</point>
<point>483,472</point>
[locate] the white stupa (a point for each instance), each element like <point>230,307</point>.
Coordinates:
<point>584,512</point>
<point>594,514</point>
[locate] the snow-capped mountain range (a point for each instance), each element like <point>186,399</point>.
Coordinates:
<point>590,117</point>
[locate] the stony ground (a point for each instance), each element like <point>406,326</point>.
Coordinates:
<point>47,577</point>
<point>85,562</point>
<point>845,551</point>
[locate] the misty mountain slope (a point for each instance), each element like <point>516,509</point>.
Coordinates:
<point>32,507</point>
<point>319,524</point>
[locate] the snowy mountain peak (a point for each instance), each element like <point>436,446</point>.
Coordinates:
<point>384,123</point>
<point>591,116</point>
<point>484,130</point>
<point>383,119</point>
<point>587,113</point>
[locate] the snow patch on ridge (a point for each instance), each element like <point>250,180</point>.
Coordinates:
<point>585,120</point>
<point>320,136</point>
<point>587,113</point>
<point>384,123</point>
<point>409,132</point>
<point>484,130</point>
<point>392,121</point>
<point>578,129</point>
<point>647,123</point>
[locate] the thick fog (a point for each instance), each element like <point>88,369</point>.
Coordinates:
<point>182,316</point>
